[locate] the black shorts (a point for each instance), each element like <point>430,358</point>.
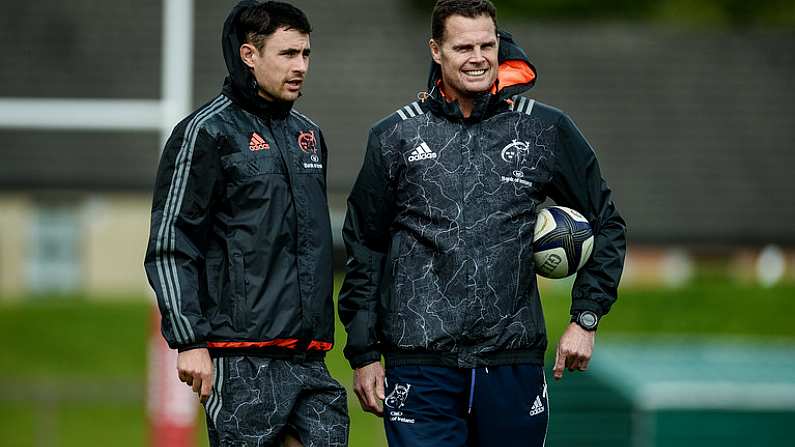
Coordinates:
<point>255,401</point>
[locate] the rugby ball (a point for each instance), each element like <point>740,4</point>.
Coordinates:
<point>562,242</point>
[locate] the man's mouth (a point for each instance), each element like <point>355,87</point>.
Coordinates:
<point>475,73</point>
<point>295,83</point>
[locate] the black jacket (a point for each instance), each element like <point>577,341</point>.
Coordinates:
<point>440,224</point>
<point>240,249</point>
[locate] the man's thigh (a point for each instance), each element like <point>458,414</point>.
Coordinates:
<point>251,401</point>
<point>426,406</point>
<point>320,414</point>
<point>510,407</point>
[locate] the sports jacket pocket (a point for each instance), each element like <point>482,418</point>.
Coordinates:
<point>237,274</point>
<point>241,166</point>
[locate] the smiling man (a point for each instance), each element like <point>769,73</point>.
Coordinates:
<point>440,278</point>
<point>240,251</point>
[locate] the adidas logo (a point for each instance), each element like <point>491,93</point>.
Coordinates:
<point>537,408</point>
<point>257,143</point>
<point>422,152</point>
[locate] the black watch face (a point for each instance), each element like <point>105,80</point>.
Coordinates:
<point>588,320</point>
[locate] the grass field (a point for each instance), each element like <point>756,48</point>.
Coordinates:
<point>54,347</point>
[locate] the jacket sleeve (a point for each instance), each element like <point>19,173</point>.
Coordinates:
<point>370,213</point>
<point>324,157</point>
<point>577,183</point>
<point>180,221</point>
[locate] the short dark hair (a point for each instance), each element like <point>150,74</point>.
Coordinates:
<point>263,19</point>
<point>466,8</point>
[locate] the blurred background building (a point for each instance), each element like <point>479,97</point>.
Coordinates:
<point>693,125</point>
<point>689,104</point>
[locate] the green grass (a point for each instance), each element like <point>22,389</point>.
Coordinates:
<point>710,307</point>
<point>72,424</point>
<point>18,423</point>
<point>64,340</point>
<point>45,338</point>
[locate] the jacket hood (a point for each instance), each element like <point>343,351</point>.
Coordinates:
<point>516,75</point>
<point>241,85</point>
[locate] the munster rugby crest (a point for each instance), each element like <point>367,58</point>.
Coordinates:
<point>517,154</point>
<point>308,144</point>
<point>397,398</point>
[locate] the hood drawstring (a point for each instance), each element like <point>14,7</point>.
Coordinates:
<point>424,96</point>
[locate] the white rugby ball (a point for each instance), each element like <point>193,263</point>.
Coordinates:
<point>562,242</point>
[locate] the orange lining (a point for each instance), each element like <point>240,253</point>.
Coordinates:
<point>319,346</point>
<point>513,72</point>
<point>510,72</point>
<point>288,343</point>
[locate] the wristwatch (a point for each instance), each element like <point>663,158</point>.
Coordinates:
<point>586,320</point>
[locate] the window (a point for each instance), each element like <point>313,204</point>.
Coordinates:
<point>54,254</point>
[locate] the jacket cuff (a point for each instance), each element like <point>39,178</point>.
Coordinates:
<point>192,346</point>
<point>579,305</point>
<point>364,359</point>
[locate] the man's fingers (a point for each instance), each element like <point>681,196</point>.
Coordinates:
<point>206,389</point>
<point>368,384</point>
<point>360,396</point>
<point>574,351</point>
<point>360,389</point>
<point>379,408</point>
<point>583,363</point>
<point>369,396</point>
<point>577,362</point>
<point>372,399</point>
<point>373,403</point>
<point>195,368</point>
<point>560,361</point>
<point>377,395</point>
<point>574,363</point>
<point>379,388</point>
<point>571,361</point>
<point>197,384</point>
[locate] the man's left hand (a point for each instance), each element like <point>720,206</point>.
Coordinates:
<point>574,350</point>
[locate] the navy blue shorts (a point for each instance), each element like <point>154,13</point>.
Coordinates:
<point>503,406</point>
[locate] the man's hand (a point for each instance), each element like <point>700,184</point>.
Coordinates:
<point>196,369</point>
<point>574,350</point>
<point>368,384</point>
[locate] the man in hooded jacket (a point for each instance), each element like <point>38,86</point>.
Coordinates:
<point>440,279</point>
<point>240,250</point>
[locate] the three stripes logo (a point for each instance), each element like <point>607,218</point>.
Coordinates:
<point>257,143</point>
<point>422,152</point>
<point>537,408</point>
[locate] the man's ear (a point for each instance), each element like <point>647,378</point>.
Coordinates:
<point>436,51</point>
<point>247,54</point>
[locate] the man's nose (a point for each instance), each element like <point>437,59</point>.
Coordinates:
<point>477,56</point>
<point>302,66</point>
